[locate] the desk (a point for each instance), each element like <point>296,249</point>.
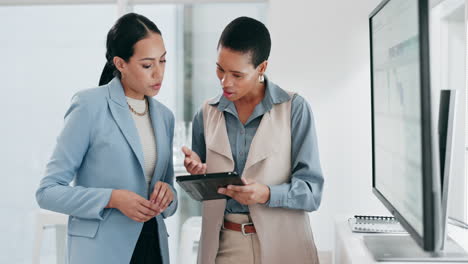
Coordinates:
<point>350,249</point>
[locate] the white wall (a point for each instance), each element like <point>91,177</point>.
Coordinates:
<point>165,17</point>
<point>205,40</point>
<point>48,54</point>
<point>321,50</point>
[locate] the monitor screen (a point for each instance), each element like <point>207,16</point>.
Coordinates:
<point>401,116</point>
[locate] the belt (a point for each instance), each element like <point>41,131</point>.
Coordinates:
<point>246,229</point>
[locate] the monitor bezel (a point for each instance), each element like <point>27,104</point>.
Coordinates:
<point>427,240</point>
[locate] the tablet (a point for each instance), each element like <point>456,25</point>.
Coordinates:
<point>204,187</point>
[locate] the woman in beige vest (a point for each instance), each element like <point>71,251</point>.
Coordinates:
<point>268,136</point>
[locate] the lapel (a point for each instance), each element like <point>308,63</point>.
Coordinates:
<point>161,139</point>
<point>122,116</point>
<point>265,141</point>
<point>263,144</point>
<point>219,141</point>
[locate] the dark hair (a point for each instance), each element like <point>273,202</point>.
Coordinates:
<point>247,35</point>
<point>127,31</point>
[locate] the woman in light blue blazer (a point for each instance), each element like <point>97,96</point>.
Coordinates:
<point>116,145</point>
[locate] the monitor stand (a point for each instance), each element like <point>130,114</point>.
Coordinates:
<point>404,248</point>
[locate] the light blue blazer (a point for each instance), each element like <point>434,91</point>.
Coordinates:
<point>99,148</point>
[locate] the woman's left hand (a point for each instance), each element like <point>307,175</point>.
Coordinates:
<point>162,195</point>
<point>251,193</point>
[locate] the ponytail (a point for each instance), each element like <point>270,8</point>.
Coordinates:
<point>107,74</point>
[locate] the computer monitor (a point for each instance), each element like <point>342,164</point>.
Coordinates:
<point>405,152</point>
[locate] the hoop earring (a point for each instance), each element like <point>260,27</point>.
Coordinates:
<point>261,78</point>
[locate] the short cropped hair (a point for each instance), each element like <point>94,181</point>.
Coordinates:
<point>247,35</point>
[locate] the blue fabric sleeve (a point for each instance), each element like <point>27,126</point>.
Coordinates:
<point>169,177</point>
<point>54,192</point>
<point>305,189</point>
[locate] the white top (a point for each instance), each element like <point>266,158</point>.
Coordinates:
<point>147,137</point>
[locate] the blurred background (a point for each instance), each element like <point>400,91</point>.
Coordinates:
<point>53,48</point>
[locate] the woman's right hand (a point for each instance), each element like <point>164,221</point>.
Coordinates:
<point>133,205</point>
<point>192,162</point>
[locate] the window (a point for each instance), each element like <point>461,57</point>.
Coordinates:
<point>448,70</point>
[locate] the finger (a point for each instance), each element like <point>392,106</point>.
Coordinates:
<point>203,168</point>
<point>156,190</point>
<point>187,162</point>
<point>247,181</point>
<point>146,218</point>
<point>170,198</point>
<point>144,210</point>
<point>148,213</point>
<point>187,152</point>
<point>169,194</point>
<point>226,192</point>
<point>143,202</point>
<point>139,217</point>
<point>165,207</point>
<point>148,204</point>
<point>164,201</point>
<point>164,204</point>
<point>234,195</point>
<point>192,165</point>
<point>161,195</point>
<point>199,169</point>
<point>151,211</point>
<point>153,208</point>
<point>238,188</point>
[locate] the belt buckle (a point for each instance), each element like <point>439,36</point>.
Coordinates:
<point>243,229</point>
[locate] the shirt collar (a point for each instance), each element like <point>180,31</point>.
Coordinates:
<point>273,95</point>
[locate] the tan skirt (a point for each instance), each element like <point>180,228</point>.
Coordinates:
<point>234,247</point>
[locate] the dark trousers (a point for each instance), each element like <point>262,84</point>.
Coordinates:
<point>147,248</point>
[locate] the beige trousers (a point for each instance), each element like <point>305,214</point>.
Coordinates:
<point>234,247</point>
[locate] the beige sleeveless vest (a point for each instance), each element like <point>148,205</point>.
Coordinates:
<point>285,235</point>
